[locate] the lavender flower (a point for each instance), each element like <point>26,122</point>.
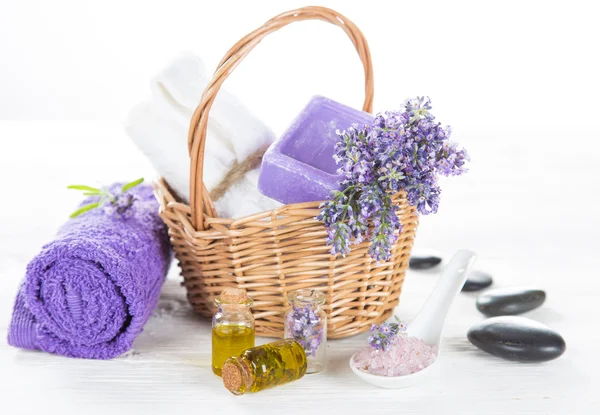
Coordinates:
<point>112,203</point>
<point>306,328</point>
<point>385,334</point>
<point>119,204</point>
<point>399,151</point>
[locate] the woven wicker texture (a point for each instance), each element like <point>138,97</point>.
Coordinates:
<point>274,252</point>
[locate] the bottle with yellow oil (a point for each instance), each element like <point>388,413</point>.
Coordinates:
<point>265,366</point>
<point>232,326</point>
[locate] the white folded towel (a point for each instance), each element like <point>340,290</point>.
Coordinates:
<point>160,126</point>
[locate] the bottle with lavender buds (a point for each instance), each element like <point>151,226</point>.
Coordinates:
<point>306,322</point>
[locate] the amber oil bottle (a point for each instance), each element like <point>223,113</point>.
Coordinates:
<point>265,366</point>
<point>232,327</point>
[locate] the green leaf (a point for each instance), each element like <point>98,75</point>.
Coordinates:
<point>84,188</point>
<point>84,209</point>
<point>92,193</point>
<point>132,184</point>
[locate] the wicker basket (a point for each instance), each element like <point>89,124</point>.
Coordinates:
<point>271,253</point>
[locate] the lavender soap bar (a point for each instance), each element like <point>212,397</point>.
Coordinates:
<point>299,167</point>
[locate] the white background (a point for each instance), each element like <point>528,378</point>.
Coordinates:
<point>518,82</point>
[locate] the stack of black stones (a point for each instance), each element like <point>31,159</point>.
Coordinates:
<point>504,334</point>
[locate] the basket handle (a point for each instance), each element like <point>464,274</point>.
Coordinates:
<point>199,196</point>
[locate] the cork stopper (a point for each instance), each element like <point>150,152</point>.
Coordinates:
<point>233,295</point>
<point>232,377</point>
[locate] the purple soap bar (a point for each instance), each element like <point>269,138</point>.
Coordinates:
<point>299,167</point>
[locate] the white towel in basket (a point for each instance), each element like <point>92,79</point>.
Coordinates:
<point>159,127</point>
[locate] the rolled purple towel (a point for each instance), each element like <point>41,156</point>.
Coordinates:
<point>89,292</point>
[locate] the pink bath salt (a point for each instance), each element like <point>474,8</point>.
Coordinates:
<point>405,356</point>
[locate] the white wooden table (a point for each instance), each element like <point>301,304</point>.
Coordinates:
<point>530,219</point>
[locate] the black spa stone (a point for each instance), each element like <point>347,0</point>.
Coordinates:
<point>509,301</point>
<point>421,262</point>
<point>517,338</point>
<point>477,280</point>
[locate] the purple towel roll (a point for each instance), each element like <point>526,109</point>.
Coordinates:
<point>89,292</point>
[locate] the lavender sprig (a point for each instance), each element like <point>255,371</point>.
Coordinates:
<point>386,334</point>
<point>306,328</point>
<point>112,203</point>
<point>400,150</point>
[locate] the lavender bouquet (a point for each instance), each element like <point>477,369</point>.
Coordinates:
<point>400,151</point>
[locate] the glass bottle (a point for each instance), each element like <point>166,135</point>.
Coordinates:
<point>264,366</point>
<point>232,326</point>
<point>306,322</point>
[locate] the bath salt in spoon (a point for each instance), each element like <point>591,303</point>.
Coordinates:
<point>422,336</point>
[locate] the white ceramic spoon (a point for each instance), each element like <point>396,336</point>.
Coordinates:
<point>429,323</point>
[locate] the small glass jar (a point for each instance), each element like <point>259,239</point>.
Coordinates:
<point>264,366</point>
<point>232,327</point>
<point>306,322</point>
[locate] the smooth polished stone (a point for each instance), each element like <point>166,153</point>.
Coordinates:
<point>517,338</point>
<point>510,301</point>
<point>477,280</point>
<point>420,262</point>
